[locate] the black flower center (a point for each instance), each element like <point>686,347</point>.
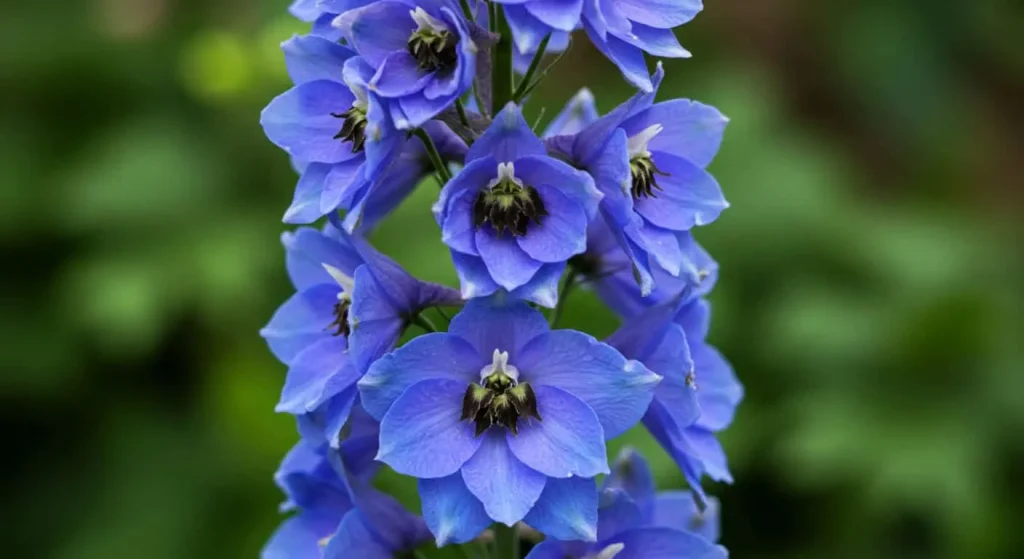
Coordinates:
<point>643,170</point>
<point>434,51</point>
<point>353,129</point>
<point>508,205</point>
<point>499,400</point>
<point>340,324</point>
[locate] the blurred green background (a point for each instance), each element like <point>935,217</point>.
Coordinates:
<point>870,295</point>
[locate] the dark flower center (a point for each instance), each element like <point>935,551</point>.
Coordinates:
<point>499,400</point>
<point>434,51</point>
<point>353,129</point>
<point>508,205</point>
<point>643,170</point>
<point>340,324</point>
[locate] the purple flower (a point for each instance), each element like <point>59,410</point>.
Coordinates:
<point>699,393</point>
<point>337,517</point>
<point>649,162</point>
<point>624,30</point>
<point>637,523</point>
<point>503,419</point>
<point>513,215</point>
<point>351,305</point>
<point>420,55</point>
<point>332,126</point>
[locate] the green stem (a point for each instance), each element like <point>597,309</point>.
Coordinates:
<point>423,322</point>
<point>506,542</point>
<point>459,108</point>
<point>435,157</point>
<point>524,85</point>
<point>501,80</point>
<point>563,294</point>
<point>466,10</point>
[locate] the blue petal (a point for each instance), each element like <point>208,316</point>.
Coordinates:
<point>299,121</point>
<point>508,138</point>
<point>432,356</point>
<point>616,513</point>
<point>452,513</point>
<point>305,10</point>
<point>719,391</point>
<point>343,185</point>
<point>616,389</point>
<point>561,234</point>
<point>323,425</point>
<point>388,521</point>
<point>569,441</point>
<point>302,320</point>
<point>660,425</point>
<point>658,42</point>
<point>375,325</point>
<point>631,473</point>
<point>661,244</point>
<point>474,278</point>
<point>508,264</point>
<point>628,58</point>
<point>310,482</point>
<point>458,230</point>
<point>422,435</point>
<point>712,455</point>
<point>307,250</point>
<point>323,26</point>
<point>691,130</point>
<point>578,113</point>
<point>664,543</point>
<point>563,15</point>
<point>305,206</point>
<point>378,29</point>
<point>678,391</point>
<point>566,510</point>
<point>299,536</point>
<point>664,14</point>
<point>354,538</point>
<point>527,30</point>
<point>469,181</point>
<point>689,196</point>
<point>417,109</point>
<point>505,486</point>
<point>678,510</point>
<point>399,75</point>
<point>317,373</point>
<point>497,322</point>
<point>543,287</point>
<point>575,184</point>
<point>310,58</point>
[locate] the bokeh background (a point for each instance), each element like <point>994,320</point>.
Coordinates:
<point>870,295</point>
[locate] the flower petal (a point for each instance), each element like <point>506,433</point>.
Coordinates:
<point>498,322</point>
<point>566,510</point>
<point>399,75</point>
<point>657,42</point>
<point>354,536</point>
<point>616,389</point>
<point>378,29</point>
<point>509,265</point>
<point>302,320</point>
<point>628,58</point>
<point>305,206</point>
<point>578,113</point>
<point>719,391</point>
<point>299,121</point>
<point>665,543</point>
<point>568,442</point>
<point>319,372</point>
<point>561,234</point>
<point>508,138</point>
<point>664,14</point>
<point>691,130</point>
<point>474,278</point>
<point>678,510</point>
<point>300,536</point>
<point>432,356</point>
<point>452,513</point>
<point>310,58</point>
<point>547,549</point>
<point>307,250</point>
<point>689,196</point>
<point>422,435</point>
<point>505,486</point>
<point>563,15</point>
<point>574,184</point>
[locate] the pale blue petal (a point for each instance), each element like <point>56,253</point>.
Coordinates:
<point>422,435</point>
<point>574,184</point>
<point>563,15</point>
<point>505,486</point>
<point>452,513</point>
<point>378,29</point>
<point>509,265</point>
<point>307,250</point>
<point>399,75</point>
<point>657,42</point>
<point>498,322</point>
<point>319,372</point>
<point>616,389</point>
<point>508,138</point>
<point>566,510</point>
<point>300,121</point>
<point>628,58</point>
<point>305,206</point>
<point>437,355</point>
<point>691,130</point>
<point>299,536</point>
<point>664,14</point>
<point>569,441</point>
<point>310,58</point>
<point>578,113</point>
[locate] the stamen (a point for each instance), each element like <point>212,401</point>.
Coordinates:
<point>508,204</point>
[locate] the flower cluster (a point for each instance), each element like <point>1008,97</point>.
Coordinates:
<point>502,417</point>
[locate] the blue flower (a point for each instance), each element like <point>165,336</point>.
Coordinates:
<point>503,419</point>
<point>637,523</point>
<point>320,13</point>
<point>332,126</point>
<point>337,517</point>
<point>610,272</point>
<point>649,161</point>
<point>351,305</point>
<point>513,215</point>
<point>420,54</point>
<point>624,31</point>
<point>699,393</point>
